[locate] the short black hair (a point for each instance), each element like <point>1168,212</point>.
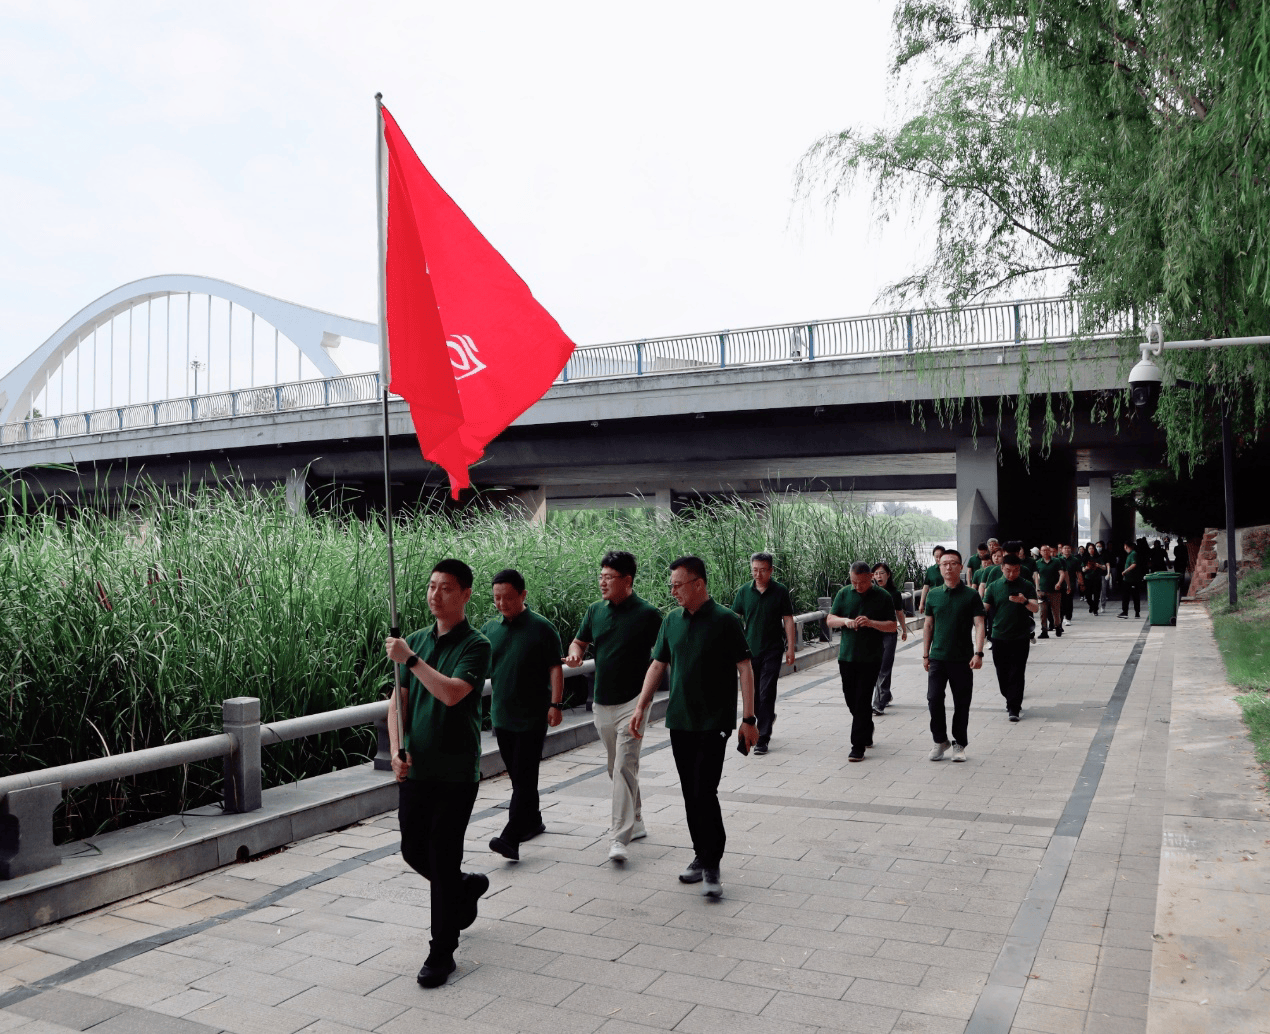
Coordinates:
<point>983,546</point>
<point>620,561</point>
<point>1012,560</point>
<point>509,576</point>
<point>692,563</point>
<point>952,552</point>
<point>939,549</point>
<point>880,566</point>
<point>458,570</point>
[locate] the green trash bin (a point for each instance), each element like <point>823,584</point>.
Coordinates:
<point>1162,596</point>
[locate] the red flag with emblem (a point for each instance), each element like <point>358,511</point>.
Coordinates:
<point>468,345</point>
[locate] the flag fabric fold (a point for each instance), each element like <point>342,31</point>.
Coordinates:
<point>469,347</point>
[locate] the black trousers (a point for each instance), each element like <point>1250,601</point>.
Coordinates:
<point>1093,593</point>
<point>1069,598</point>
<point>767,669</point>
<point>957,676</point>
<point>433,818</point>
<point>699,760</point>
<point>522,754</point>
<point>1130,588</point>
<point>1009,657</point>
<point>859,678</point>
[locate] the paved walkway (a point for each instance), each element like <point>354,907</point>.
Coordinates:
<point>1014,892</point>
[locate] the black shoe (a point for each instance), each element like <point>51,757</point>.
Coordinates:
<point>1058,632</point>
<point>475,884</point>
<point>857,754</point>
<point>435,971</point>
<point>1043,635</point>
<point>879,710</point>
<point>694,873</point>
<point>1014,717</point>
<point>507,848</point>
<point>1124,617</point>
<point>760,748</point>
<point>542,828</point>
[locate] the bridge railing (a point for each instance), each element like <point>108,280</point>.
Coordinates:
<point>971,327</point>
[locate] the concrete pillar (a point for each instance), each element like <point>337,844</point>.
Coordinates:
<point>26,830</point>
<point>661,504</point>
<point>1038,499</point>
<point>1100,510</point>
<point>241,722</point>
<point>978,502</point>
<point>297,492</point>
<point>533,503</point>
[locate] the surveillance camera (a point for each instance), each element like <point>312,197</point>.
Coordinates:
<point>1144,382</point>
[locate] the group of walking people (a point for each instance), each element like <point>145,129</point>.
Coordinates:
<point>706,653</point>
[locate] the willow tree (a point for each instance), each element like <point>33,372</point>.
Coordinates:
<point>1120,148</point>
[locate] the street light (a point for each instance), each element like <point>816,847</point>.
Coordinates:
<point>1144,387</point>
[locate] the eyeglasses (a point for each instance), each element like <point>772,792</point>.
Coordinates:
<point>676,586</point>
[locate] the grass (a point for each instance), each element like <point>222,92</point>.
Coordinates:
<point>1243,636</point>
<point>127,631</point>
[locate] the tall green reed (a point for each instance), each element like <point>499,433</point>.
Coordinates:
<point>127,631</point>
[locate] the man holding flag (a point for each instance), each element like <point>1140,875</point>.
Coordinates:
<point>463,341</point>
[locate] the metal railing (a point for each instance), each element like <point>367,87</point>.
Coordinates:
<point>994,325</point>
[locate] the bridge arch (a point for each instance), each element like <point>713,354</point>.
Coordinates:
<point>312,331</point>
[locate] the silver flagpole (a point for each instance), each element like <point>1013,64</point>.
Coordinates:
<point>399,694</point>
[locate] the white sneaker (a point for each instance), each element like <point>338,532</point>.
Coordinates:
<point>711,885</point>
<point>639,832</point>
<point>958,753</point>
<point>938,753</point>
<point>618,852</point>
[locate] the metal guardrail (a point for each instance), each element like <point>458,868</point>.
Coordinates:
<point>993,325</point>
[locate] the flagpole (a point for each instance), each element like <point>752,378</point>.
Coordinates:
<point>399,695</point>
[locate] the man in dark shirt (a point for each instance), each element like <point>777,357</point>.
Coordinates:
<point>981,557</point>
<point>931,579</point>
<point>865,613</point>
<point>1012,600</point>
<point>703,645</point>
<point>1051,579</point>
<point>1073,565</point>
<point>622,628</point>
<point>1131,574</point>
<point>953,612</point>
<point>528,694</point>
<point>767,613</point>
<point>442,673</point>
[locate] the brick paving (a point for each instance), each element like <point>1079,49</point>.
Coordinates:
<point>857,897</point>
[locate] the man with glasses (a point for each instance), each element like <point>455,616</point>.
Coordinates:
<point>768,615</point>
<point>622,628</point>
<point>703,645</point>
<point>953,612</point>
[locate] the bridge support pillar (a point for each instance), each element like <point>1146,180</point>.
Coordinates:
<point>662,505</point>
<point>297,492</point>
<point>1100,510</point>
<point>533,503</point>
<point>978,500</point>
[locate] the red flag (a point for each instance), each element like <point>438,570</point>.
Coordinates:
<point>468,345</point>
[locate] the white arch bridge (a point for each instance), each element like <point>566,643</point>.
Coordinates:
<point>180,349</point>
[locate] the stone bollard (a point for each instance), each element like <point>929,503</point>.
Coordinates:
<point>241,722</point>
<point>824,603</point>
<point>26,830</point>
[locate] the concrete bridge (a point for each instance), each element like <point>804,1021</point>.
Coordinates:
<point>832,406</point>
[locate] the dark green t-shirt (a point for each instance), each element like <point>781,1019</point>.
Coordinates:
<point>932,577</point>
<point>523,653</point>
<point>1047,573</point>
<point>984,574</point>
<point>864,645</point>
<point>954,611</point>
<point>1010,620</point>
<point>990,574</point>
<point>445,741</point>
<point>703,650</point>
<point>1136,574</point>
<point>761,614</point>
<point>974,563</point>
<point>623,637</point>
<point>1073,565</point>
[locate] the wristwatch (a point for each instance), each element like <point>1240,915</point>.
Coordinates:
<point>558,705</point>
<point>411,661</point>
<point>978,653</point>
<point>751,720</point>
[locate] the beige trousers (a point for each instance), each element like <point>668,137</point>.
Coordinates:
<point>613,722</point>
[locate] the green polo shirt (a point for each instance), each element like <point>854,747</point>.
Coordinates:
<point>1028,563</point>
<point>761,614</point>
<point>954,611</point>
<point>1132,558</point>
<point>1074,566</point>
<point>932,577</point>
<point>984,574</point>
<point>991,574</point>
<point>974,563</point>
<point>864,645</point>
<point>623,637</point>
<point>1047,573</point>
<point>524,651</point>
<point>445,741</point>
<point>1010,620</point>
<point>703,650</point>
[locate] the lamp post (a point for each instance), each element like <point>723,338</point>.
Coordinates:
<point>1144,384</point>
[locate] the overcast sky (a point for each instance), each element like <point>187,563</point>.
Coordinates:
<point>634,164</point>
